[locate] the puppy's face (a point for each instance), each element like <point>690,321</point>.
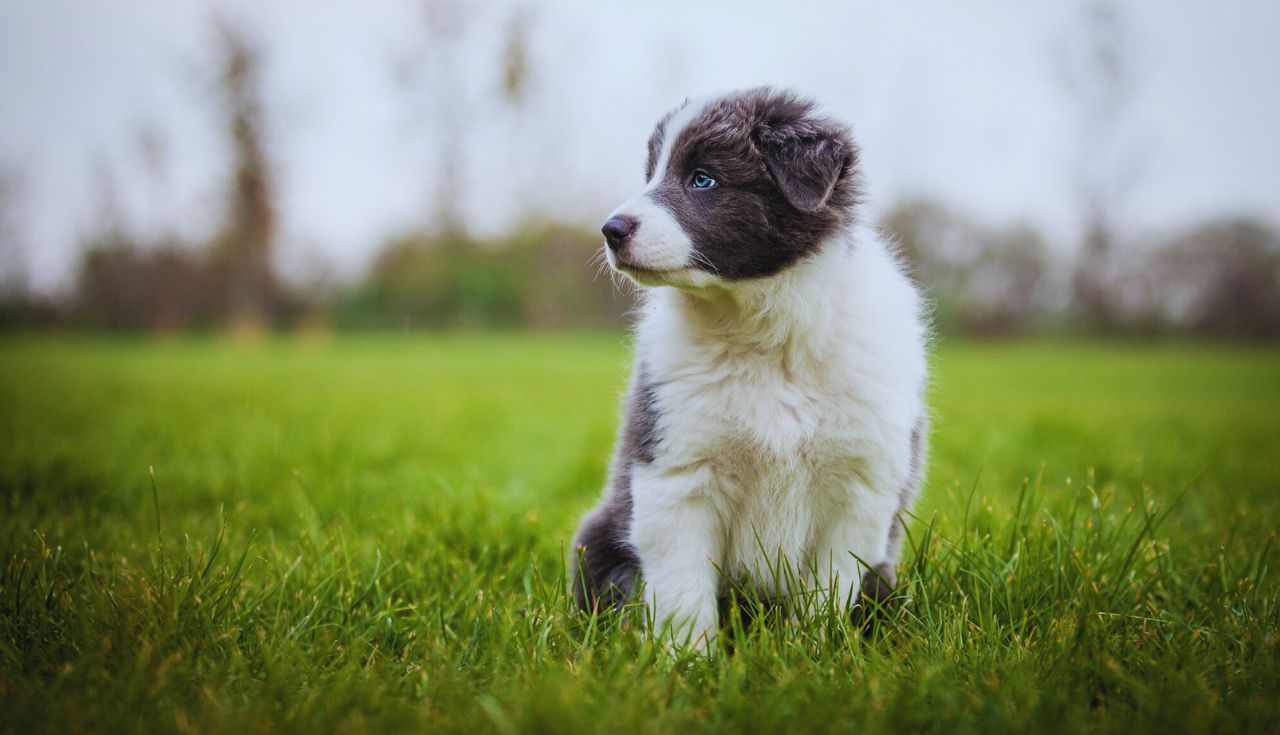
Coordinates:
<point>738,187</point>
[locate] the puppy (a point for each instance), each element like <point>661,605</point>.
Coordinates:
<point>776,409</point>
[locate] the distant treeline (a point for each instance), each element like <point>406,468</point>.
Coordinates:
<point>1218,279</point>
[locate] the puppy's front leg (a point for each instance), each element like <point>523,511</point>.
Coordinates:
<point>853,537</point>
<point>677,535</point>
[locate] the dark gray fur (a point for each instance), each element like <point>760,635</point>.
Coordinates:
<point>605,564</point>
<point>786,178</point>
<point>640,433</point>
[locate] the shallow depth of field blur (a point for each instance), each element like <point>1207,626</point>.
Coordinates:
<point>305,377</point>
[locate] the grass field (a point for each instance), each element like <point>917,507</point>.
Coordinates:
<point>368,534</point>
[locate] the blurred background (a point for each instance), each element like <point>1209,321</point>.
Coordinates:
<point>1090,167</point>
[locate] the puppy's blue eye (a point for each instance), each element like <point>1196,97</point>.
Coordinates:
<point>701,180</point>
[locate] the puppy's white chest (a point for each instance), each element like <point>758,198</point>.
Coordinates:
<point>777,451</point>
<point>750,405</point>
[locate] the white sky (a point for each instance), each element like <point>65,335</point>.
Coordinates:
<point>961,101</point>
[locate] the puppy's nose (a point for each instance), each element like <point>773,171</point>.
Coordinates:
<point>618,230</point>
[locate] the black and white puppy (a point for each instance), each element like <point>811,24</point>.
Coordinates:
<point>776,409</point>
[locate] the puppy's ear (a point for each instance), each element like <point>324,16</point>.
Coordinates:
<point>805,159</point>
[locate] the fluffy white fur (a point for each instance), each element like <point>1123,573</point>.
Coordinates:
<point>786,407</point>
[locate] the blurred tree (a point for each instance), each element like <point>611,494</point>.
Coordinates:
<point>533,142</point>
<point>433,78</point>
<point>152,150</point>
<point>19,304</point>
<point>516,61</point>
<point>13,269</point>
<point>143,278</point>
<point>241,253</point>
<point>1096,75</point>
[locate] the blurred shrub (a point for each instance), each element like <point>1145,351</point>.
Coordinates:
<point>535,277</point>
<point>981,279</point>
<point>1220,278</point>
<point>124,285</point>
<point>129,283</point>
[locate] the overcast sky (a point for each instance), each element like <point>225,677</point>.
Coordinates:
<point>959,101</point>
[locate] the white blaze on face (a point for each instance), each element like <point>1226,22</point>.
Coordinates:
<point>659,243</point>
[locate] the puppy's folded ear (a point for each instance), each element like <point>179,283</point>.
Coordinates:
<point>805,158</point>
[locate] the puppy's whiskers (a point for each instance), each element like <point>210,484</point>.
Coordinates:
<point>704,260</point>
<point>600,262</point>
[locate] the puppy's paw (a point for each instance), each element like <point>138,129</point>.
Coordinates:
<point>876,597</point>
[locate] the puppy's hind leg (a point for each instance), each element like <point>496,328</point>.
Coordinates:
<point>604,564</point>
<point>878,583</point>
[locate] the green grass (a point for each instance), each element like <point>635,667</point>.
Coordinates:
<point>368,535</point>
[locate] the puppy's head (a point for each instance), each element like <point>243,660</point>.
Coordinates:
<point>737,187</point>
